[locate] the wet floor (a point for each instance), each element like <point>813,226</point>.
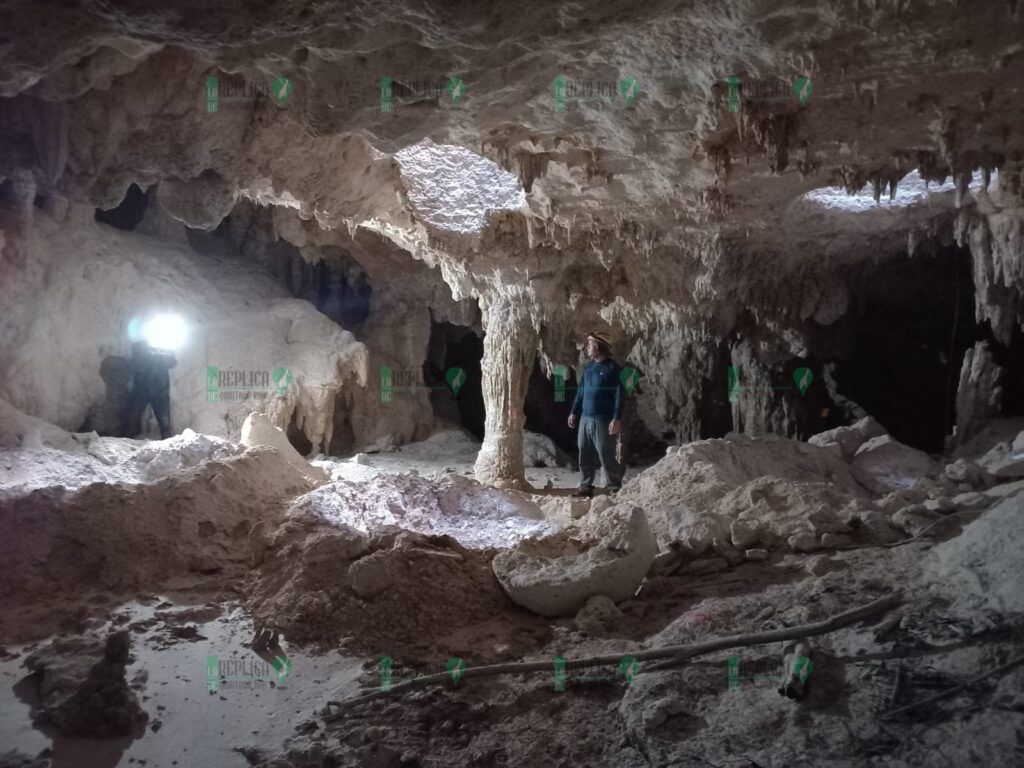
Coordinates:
<point>188,724</point>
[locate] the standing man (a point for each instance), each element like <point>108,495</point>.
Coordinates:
<point>599,399</point>
<point>151,385</point>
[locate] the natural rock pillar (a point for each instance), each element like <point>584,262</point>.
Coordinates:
<point>756,409</point>
<point>510,346</point>
<point>980,394</point>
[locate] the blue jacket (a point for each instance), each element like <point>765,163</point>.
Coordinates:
<point>600,391</point>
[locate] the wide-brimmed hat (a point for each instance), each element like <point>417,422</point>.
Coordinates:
<point>601,337</point>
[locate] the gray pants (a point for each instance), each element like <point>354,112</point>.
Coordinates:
<point>596,444</point>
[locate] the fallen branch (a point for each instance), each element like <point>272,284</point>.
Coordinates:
<point>945,694</point>
<point>676,652</point>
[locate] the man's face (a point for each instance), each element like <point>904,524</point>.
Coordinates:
<point>592,348</point>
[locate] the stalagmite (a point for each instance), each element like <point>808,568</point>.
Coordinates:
<point>979,393</point>
<point>510,346</point>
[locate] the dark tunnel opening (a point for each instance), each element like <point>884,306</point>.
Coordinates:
<point>456,346</point>
<point>910,322</point>
<point>1011,360</point>
<point>548,406</point>
<point>128,213</point>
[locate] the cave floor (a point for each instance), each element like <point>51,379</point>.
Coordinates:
<point>687,715</point>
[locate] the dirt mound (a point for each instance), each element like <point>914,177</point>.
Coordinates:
<point>342,574</point>
<point>122,537</point>
<point>35,454</point>
<point>745,491</point>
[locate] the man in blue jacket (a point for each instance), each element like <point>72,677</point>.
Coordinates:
<point>599,400</point>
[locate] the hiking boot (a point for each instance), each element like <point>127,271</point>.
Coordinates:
<point>584,493</point>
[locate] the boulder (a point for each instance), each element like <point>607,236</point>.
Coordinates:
<point>803,542</point>
<point>693,530</point>
<point>914,519</point>
<point>1000,492</point>
<point>598,617</point>
<point>332,545</point>
<point>1018,443</point>
<point>850,438</point>
<point>818,565</point>
<point>723,548</point>
<point>965,471</point>
<point>876,524</point>
<point>971,500</point>
<point>744,533</point>
<point>943,506</point>
<point>1004,462</point>
<point>540,451</point>
<point>883,465</point>
<point>608,555</point>
<point>370,575</point>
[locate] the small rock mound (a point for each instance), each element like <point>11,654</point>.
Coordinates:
<point>883,465</point>
<point>344,567</point>
<point>82,686</point>
<point>747,492</point>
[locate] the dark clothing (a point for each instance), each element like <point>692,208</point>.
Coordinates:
<point>161,405</point>
<point>600,391</point>
<point>151,385</point>
<point>599,399</point>
<point>596,444</point>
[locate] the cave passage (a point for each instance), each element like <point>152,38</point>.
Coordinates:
<point>129,212</point>
<point>910,323</point>
<point>456,346</point>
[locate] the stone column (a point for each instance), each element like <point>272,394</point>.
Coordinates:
<point>980,394</point>
<point>510,346</point>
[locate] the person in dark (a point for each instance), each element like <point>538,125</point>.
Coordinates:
<point>151,385</point>
<point>599,400</point>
